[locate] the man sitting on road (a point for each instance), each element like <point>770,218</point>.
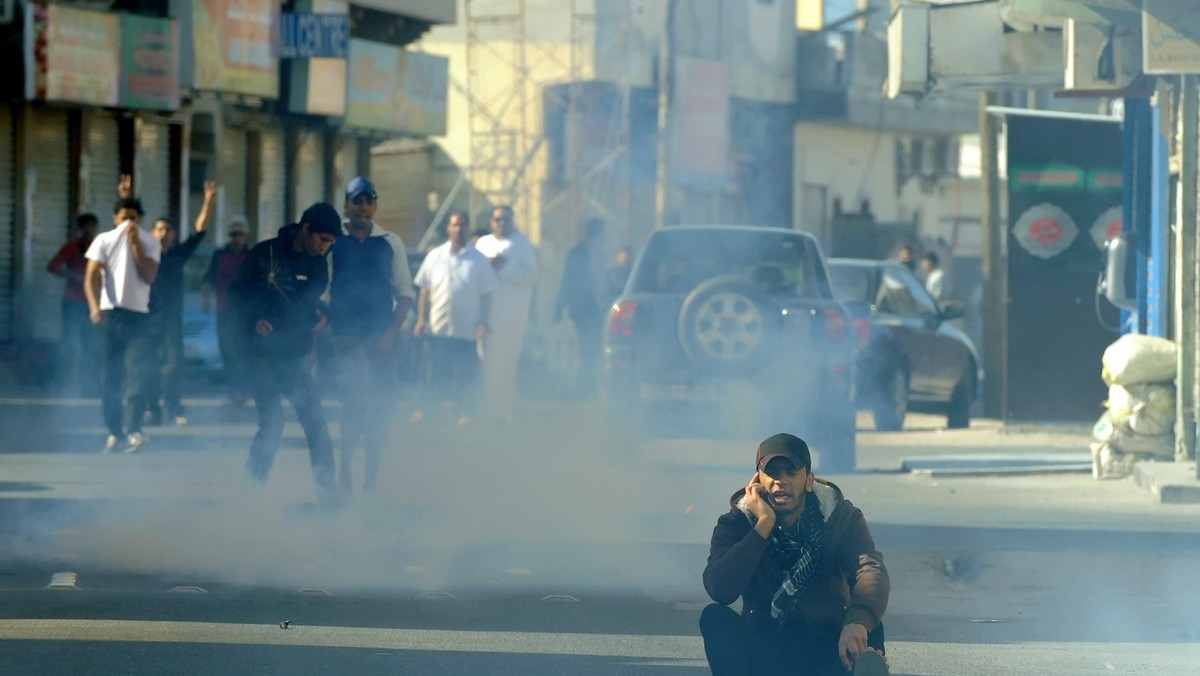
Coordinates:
<point>802,559</point>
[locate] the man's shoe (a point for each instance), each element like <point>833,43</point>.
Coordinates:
<point>180,419</point>
<point>871,663</point>
<point>134,442</point>
<point>110,444</point>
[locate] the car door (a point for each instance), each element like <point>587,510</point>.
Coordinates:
<point>896,311</point>
<point>943,355</point>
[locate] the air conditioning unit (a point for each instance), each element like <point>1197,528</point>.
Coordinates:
<point>1100,58</point>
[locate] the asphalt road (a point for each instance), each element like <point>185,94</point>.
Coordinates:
<point>524,549</point>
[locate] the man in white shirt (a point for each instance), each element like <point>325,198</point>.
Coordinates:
<point>934,277</point>
<point>121,265</point>
<point>457,288</point>
<point>516,267</point>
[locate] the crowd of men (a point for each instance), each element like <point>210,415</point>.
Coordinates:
<point>331,279</point>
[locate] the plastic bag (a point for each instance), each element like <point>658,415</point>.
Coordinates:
<point>1133,359</point>
<point>1147,409</point>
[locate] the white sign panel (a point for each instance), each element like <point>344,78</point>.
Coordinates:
<point>1171,36</point>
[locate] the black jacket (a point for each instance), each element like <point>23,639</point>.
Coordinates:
<point>283,286</point>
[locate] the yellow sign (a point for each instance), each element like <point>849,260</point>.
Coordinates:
<point>1171,36</point>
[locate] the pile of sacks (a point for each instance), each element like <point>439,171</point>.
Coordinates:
<point>1140,421</point>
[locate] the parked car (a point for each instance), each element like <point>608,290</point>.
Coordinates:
<point>732,331</point>
<point>910,356</point>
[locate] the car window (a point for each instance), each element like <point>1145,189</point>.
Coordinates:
<point>851,282</point>
<point>924,303</point>
<point>894,296</point>
<point>778,263</point>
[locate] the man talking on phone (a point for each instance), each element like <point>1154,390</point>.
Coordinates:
<point>800,556</point>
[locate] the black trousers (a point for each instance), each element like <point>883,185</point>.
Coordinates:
<point>454,371</point>
<point>734,648</point>
<point>128,367</point>
<point>290,378</point>
<point>166,331</point>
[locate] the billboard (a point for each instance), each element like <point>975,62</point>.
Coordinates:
<point>71,55</point>
<point>316,45</point>
<point>394,90</point>
<point>234,47</point>
<point>149,63</point>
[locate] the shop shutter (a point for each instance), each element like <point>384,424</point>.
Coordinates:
<point>232,175</point>
<point>152,170</point>
<point>403,180</point>
<point>101,168</point>
<point>51,218</point>
<point>310,172</point>
<point>7,226</point>
<point>272,213</point>
<point>345,167</point>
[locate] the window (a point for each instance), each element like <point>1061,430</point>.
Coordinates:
<point>894,296</point>
<point>778,263</point>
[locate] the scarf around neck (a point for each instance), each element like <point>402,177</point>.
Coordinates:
<point>804,544</point>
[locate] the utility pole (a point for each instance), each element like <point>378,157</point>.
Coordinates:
<point>1185,272</point>
<point>662,182</point>
<point>995,267</point>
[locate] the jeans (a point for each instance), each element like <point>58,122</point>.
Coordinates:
<point>127,370</point>
<point>367,377</point>
<point>454,371</point>
<point>289,377</point>
<point>734,648</point>
<point>166,331</point>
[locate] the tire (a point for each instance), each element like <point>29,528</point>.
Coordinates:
<point>958,412</point>
<point>726,327</point>
<point>890,405</point>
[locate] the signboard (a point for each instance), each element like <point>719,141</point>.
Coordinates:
<point>71,55</point>
<point>398,91</point>
<point>1108,226</point>
<point>149,63</point>
<point>701,143</point>
<point>1045,230</point>
<point>1170,36</point>
<point>318,87</point>
<point>234,46</point>
<point>313,35</point>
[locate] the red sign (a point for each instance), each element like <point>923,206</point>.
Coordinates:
<point>1045,230</point>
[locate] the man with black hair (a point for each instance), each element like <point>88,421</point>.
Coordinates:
<point>800,556</point>
<point>277,300</point>
<point>77,349</point>
<point>122,264</point>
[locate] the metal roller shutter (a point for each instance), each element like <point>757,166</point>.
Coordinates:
<point>50,220</point>
<point>345,167</point>
<point>404,180</point>
<point>7,223</point>
<point>152,169</point>
<point>101,166</point>
<point>232,175</point>
<point>272,213</point>
<point>310,172</point>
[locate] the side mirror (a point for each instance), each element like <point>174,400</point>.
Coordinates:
<point>1118,278</point>
<point>950,309</point>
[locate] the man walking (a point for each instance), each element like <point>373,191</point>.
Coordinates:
<point>222,268</point>
<point>166,312</point>
<point>457,285</point>
<point>276,298</point>
<point>370,295</point>
<point>122,264</point>
<point>77,348</point>
<point>584,294</point>
<point>516,268</point>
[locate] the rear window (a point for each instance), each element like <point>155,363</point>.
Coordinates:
<point>778,263</point>
<point>851,282</point>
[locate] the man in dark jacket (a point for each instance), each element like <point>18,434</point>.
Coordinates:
<point>585,295</point>
<point>801,557</point>
<point>276,296</point>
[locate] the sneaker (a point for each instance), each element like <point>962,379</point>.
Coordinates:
<point>181,419</point>
<point>110,444</point>
<point>134,442</point>
<point>871,663</point>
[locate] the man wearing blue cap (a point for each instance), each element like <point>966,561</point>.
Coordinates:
<point>369,299</point>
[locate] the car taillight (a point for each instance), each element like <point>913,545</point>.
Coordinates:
<point>835,325</point>
<point>621,323</point>
<point>862,332</point>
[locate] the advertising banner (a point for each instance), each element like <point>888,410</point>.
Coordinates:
<point>149,63</point>
<point>234,46</point>
<point>71,55</point>
<point>398,91</point>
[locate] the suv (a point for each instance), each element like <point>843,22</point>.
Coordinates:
<point>732,331</point>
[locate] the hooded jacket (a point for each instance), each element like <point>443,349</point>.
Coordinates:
<point>283,286</point>
<point>855,591</point>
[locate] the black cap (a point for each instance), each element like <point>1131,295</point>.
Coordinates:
<point>322,217</point>
<point>784,445</point>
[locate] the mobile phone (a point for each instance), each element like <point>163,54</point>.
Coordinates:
<point>766,496</point>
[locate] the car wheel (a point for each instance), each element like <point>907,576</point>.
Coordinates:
<point>725,326</point>
<point>891,404</point>
<point>958,413</point>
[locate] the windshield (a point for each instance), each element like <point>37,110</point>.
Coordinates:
<point>778,263</point>
<point>851,282</point>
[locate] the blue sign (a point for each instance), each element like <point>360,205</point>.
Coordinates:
<point>312,36</point>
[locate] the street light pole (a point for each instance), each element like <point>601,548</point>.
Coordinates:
<point>662,177</point>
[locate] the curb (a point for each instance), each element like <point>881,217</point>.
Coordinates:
<point>1172,483</point>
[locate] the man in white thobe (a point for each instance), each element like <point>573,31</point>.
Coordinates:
<point>516,267</point>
